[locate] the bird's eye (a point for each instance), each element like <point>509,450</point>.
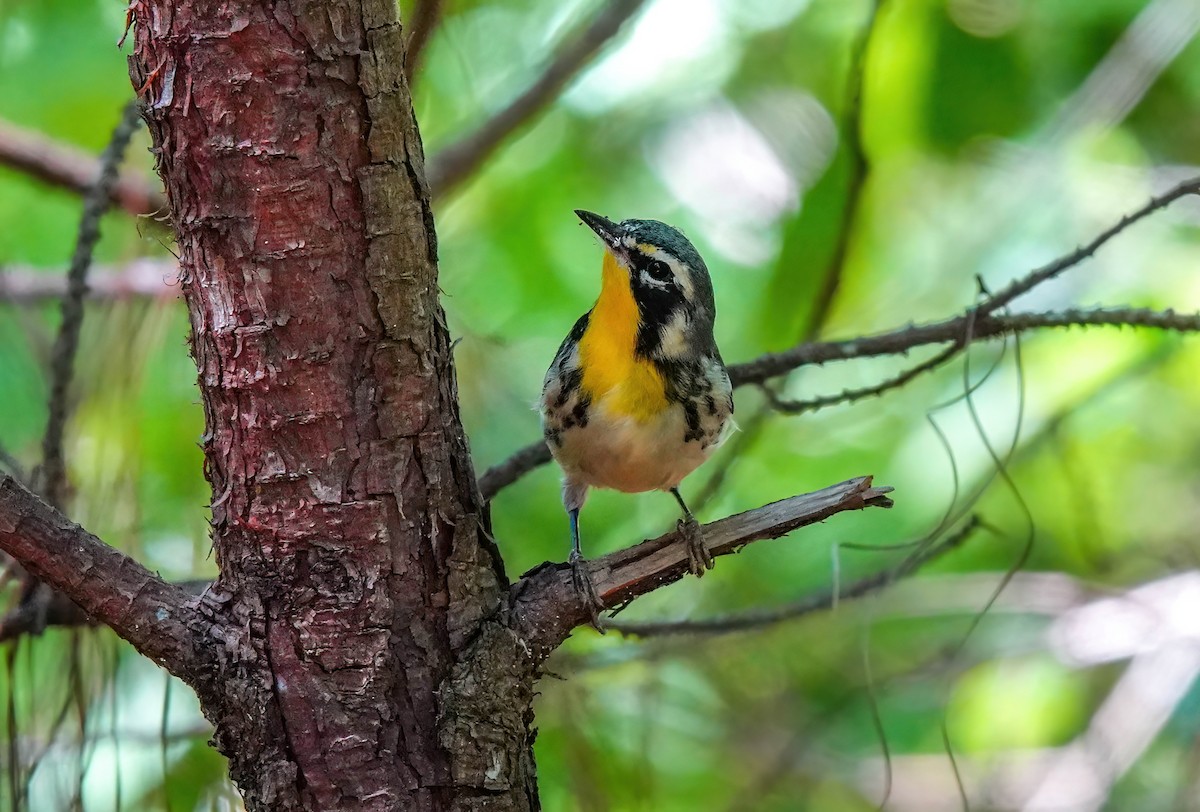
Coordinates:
<point>659,270</point>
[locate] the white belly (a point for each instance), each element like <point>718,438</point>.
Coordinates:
<point>621,453</point>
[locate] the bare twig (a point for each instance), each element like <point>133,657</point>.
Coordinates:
<point>455,163</point>
<point>805,606</point>
<point>1053,269</point>
<point>70,168</point>
<point>506,473</point>
<point>752,426</point>
<point>95,202</point>
<point>152,278</point>
<point>426,17</point>
<point>898,342</point>
<point>895,342</point>
<point>852,395</point>
<point>856,181</point>
<point>547,608</point>
<point>156,617</point>
<point>904,339</point>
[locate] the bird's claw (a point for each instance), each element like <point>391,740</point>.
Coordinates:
<point>581,579</point>
<point>700,559</point>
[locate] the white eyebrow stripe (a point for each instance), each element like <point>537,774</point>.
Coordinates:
<point>682,274</point>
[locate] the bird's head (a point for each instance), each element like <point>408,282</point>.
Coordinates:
<point>668,280</point>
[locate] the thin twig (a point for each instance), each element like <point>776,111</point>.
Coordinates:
<point>426,17</point>
<point>898,342</point>
<point>71,168</point>
<point>831,281</point>
<point>95,203</point>
<point>895,342</point>
<point>805,606</point>
<point>853,395</point>
<point>1053,269</point>
<point>457,162</point>
<point>506,473</point>
<point>856,183</point>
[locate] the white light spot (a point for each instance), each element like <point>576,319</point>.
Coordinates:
<point>742,172</point>
<point>674,43</point>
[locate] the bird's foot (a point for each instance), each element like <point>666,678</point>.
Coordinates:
<point>581,578</point>
<point>700,560</point>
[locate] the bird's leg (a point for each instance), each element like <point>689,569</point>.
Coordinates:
<point>700,560</point>
<point>580,577</point>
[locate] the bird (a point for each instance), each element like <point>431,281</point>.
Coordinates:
<point>637,396</point>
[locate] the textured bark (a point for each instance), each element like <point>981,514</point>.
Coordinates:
<point>353,551</point>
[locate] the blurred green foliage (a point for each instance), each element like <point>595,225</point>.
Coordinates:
<point>1000,134</point>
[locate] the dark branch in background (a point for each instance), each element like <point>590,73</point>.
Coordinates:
<point>831,281</point>
<point>458,161</point>
<point>71,168</point>
<point>426,17</point>
<point>506,473</point>
<point>898,342</point>
<point>149,278</point>
<point>805,606</point>
<point>1027,283</point>
<point>536,454</point>
<point>157,618</point>
<point>895,342</point>
<point>853,395</point>
<point>860,167</point>
<point>546,607</point>
<point>95,203</point>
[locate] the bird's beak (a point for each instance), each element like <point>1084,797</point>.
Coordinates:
<point>608,231</point>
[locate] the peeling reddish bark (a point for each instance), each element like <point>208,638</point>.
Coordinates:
<point>346,521</point>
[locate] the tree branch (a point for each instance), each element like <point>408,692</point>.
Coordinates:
<point>59,611</point>
<point>862,393</point>
<point>805,606</point>
<point>71,168</point>
<point>856,183</point>
<point>62,364</point>
<point>545,607</point>
<point>894,342</point>
<point>898,342</point>
<point>1027,283</point>
<point>150,278</point>
<point>457,162</point>
<point>157,618</point>
<point>506,473</point>
<point>426,17</point>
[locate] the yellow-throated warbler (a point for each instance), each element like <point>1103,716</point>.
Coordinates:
<point>637,396</point>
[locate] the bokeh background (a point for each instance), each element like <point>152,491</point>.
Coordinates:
<point>998,134</point>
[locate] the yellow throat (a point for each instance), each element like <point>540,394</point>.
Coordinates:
<point>625,385</point>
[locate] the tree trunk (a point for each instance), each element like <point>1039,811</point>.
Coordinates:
<point>352,543</point>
